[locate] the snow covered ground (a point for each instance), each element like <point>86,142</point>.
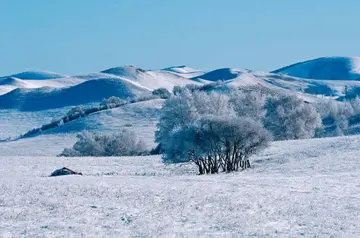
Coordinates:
<point>305,188</point>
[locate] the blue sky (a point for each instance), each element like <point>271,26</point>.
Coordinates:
<point>82,36</point>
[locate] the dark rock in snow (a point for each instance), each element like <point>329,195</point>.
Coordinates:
<point>64,171</point>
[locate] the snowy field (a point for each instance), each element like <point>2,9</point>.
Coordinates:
<point>305,188</point>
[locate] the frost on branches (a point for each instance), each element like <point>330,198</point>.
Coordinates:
<point>205,129</point>
<point>290,118</point>
<point>336,116</point>
<point>124,143</point>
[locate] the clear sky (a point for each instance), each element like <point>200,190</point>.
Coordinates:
<point>82,36</point>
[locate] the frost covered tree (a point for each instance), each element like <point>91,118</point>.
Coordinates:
<point>248,103</point>
<point>335,116</point>
<point>288,117</point>
<point>176,112</point>
<point>163,93</point>
<point>216,143</point>
<point>75,112</point>
<point>112,102</point>
<point>185,107</point>
<point>355,103</point>
<point>203,128</point>
<point>177,89</point>
<point>124,143</point>
<point>189,87</point>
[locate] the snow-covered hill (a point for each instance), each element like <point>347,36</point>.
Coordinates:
<point>306,188</point>
<point>310,77</point>
<point>222,74</point>
<point>325,68</point>
<point>8,84</point>
<point>185,71</point>
<point>46,94</point>
<point>152,79</point>
<point>87,92</point>
<point>127,71</point>
<point>140,117</point>
<point>15,82</point>
<point>32,95</point>
<point>38,75</point>
<point>306,88</point>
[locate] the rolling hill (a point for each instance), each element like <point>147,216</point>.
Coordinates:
<point>129,81</point>
<point>8,84</point>
<point>185,71</point>
<point>325,68</point>
<point>38,75</point>
<point>223,74</point>
<point>54,96</point>
<point>15,82</point>
<point>151,79</point>
<point>87,92</point>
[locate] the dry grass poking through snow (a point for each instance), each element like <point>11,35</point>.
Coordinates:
<point>306,188</point>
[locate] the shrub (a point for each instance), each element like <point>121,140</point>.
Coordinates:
<point>288,117</point>
<point>163,93</point>
<point>248,103</point>
<point>335,116</point>
<point>177,90</point>
<point>186,107</point>
<point>204,128</point>
<point>76,111</point>
<point>216,143</point>
<point>124,143</point>
<point>112,102</point>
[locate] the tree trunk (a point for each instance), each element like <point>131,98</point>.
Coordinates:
<point>201,169</point>
<point>248,164</point>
